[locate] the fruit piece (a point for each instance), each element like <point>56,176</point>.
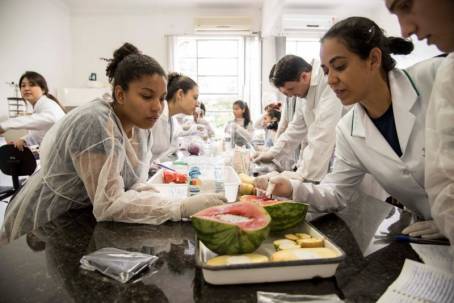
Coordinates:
<point>284,244</point>
<point>246,189</point>
<point>303,235</point>
<point>174,177</point>
<point>291,237</point>
<point>303,254</point>
<point>239,259</point>
<point>312,242</point>
<point>284,214</point>
<point>194,149</point>
<point>246,179</point>
<point>230,229</point>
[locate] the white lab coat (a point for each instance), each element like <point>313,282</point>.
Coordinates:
<point>245,133</point>
<point>440,149</point>
<point>164,134</point>
<point>288,111</point>
<point>361,149</point>
<point>45,113</point>
<point>313,126</point>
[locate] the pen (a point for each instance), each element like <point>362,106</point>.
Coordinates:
<point>405,238</point>
<point>163,166</point>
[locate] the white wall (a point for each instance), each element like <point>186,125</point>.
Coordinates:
<point>35,35</point>
<point>98,35</point>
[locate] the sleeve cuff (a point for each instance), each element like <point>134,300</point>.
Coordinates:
<point>175,210</point>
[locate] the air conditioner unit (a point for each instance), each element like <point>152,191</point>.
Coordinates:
<point>296,23</point>
<point>223,24</point>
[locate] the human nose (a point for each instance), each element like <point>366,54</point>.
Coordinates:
<point>407,27</point>
<point>156,106</point>
<point>332,78</point>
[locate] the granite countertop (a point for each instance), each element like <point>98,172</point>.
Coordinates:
<point>43,266</point>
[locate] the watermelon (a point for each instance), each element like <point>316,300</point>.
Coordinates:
<point>284,214</point>
<point>230,229</point>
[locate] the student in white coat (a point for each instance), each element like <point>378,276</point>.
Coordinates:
<point>46,110</point>
<point>313,125</point>
<point>241,129</point>
<point>182,94</point>
<point>383,134</point>
<point>434,20</point>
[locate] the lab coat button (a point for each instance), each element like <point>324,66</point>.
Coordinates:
<point>406,172</point>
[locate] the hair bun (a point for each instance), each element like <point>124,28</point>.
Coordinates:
<point>173,76</point>
<point>399,46</point>
<point>121,53</point>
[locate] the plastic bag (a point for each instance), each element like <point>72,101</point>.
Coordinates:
<point>274,297</point>
<point>118,264</point>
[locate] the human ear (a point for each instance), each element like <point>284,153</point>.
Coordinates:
<point>375,58</point>
<point>119,94</point>
<point>180,93</point>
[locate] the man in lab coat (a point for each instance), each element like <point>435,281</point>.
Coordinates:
<point>432,20</point>
<point>313,125</point>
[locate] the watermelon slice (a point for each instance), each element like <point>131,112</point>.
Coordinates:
<point>236,228</point>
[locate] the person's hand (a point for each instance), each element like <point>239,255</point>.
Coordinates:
<point>279,186</point>
<point>425,229</point>
<point>265,156</point>
<point>140,186</point>
<point>194,204</point>
<point>261,182</point>
<point>293,175</point>
<point>19,144</point>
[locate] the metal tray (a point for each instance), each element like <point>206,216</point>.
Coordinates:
<point>270,271</point>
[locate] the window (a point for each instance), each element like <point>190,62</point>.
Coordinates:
<point>218,65</point>
<point>308,48</point>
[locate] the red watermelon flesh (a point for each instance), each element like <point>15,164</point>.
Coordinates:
<point>229,229</point>
<point>252,216</point>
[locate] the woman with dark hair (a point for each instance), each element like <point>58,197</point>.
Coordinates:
<point>241,126</point>
<point>182,94</point>
<point>99,155</point>
<point>46,110</point>
<point>270,123</point>
<point>383,134</point>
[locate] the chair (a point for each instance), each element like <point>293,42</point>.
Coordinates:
<point>15,163</point>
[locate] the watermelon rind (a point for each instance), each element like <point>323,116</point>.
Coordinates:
<point>226,238</point>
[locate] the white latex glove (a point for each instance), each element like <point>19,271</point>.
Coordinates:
<point>144,187</point>
<point>191,205</point>
<point>293,175</point>
<point>265,156</point>
<point>279,186</point>
<point>425,229</point>
<point>261,182</point>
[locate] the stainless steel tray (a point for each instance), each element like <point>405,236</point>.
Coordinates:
<point>270,271</point>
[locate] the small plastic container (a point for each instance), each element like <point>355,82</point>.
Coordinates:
<point>270,271</point>
<point>180,191</point>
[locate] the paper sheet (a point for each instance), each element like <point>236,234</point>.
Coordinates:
<point>435,255</point>
<point>419,282</point>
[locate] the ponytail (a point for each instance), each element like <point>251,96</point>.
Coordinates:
<point>360,35</point>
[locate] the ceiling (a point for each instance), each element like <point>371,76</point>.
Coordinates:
<point>134,4</point>
<point>97,5</point>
